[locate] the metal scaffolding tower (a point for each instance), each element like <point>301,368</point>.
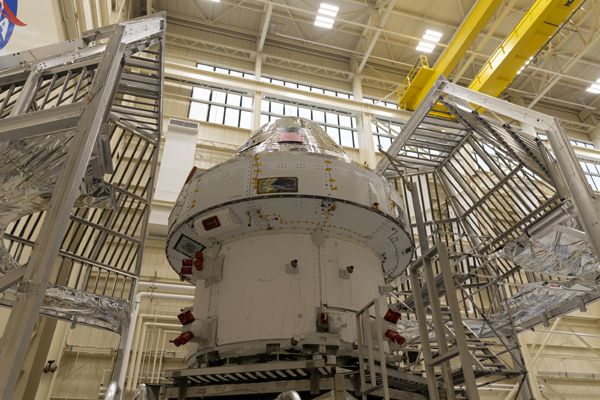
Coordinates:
<point>80,125</point>
<point>481,193</point>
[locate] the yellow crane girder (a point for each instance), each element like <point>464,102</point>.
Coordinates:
<point>422,77</point>
<point>531,33</point>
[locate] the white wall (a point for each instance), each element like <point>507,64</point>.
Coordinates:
<point>43,26</point>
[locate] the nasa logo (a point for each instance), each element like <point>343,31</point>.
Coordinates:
<point>8,20</point>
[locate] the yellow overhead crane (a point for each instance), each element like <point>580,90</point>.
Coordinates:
<point>534,29</point>
<point>422,77</point>
<point>532,32</point>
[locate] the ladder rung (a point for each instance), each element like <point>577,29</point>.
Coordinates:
<point>372,389</point>
<point>487,356</point>
<point>442,358</point>
<point>495,365</point>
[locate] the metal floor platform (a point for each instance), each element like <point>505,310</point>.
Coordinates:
<point>313,377</point>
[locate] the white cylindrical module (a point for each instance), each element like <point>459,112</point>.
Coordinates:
<point>285,242</point>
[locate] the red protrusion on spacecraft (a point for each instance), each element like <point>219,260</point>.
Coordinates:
<point>187,262</point>
<point>187,270</point>
<point>182,339</point>
<point>186,317</point>
<point>395,337</point>
<point>191,175</point>
<point>199,261</point>
<point>323,318</point>
<point>391,316</point>
<point>211,223</point>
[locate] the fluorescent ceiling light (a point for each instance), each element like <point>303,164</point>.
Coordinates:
<point>594,87</point>
<point>216,1</point>
<point>327,13</point>
<point>524,65</point>
<point>430,40</point>
<point>424,49</point>
<point>329,7</point>
<point>324,20</point>
<point>323,25</point>
<point>433,33</point>
<point>426,45</point>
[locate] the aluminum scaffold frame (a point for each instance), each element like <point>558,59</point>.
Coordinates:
<point>86,117</point>
<point>477,181</point>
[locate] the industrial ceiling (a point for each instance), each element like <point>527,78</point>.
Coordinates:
<point>379,39</point>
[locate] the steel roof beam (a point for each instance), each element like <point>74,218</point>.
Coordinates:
<point>575,58</point>
<point>265,28</point>
<point>383,21</point>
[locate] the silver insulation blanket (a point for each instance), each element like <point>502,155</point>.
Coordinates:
<point>7,262</point>
<point>29,170</point>
<point>28,173</point>
<point>561,253</point>
<point>143,393</point>
<point>293,134</point>
<point>536,298</point>
<point>409,329</point>
<point>66,302</point>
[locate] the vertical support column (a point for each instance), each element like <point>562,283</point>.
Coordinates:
<point>438,322</point>
<point>457,324</point>
<point>382,358</point>
<point>530,388</point>
<point>257,94</point>
<point>366,147</point>
<point>370,350</point>
<point>415,286</point>
<point>586,205</point>
<point>32,288</point>
<point>119,364</point>
<point>43,339</point>
<point>595,136</point>
<point>177,160</point>
<point>339,387</point>
<point>56,353</point>
<point>361,355</point>
<point>524,388</point>
<point>28,382</point>
<point>529,383</point>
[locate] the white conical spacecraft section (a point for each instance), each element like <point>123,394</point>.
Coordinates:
<point>284,242</point>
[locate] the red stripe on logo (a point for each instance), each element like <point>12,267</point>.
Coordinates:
<point>12,17</point>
